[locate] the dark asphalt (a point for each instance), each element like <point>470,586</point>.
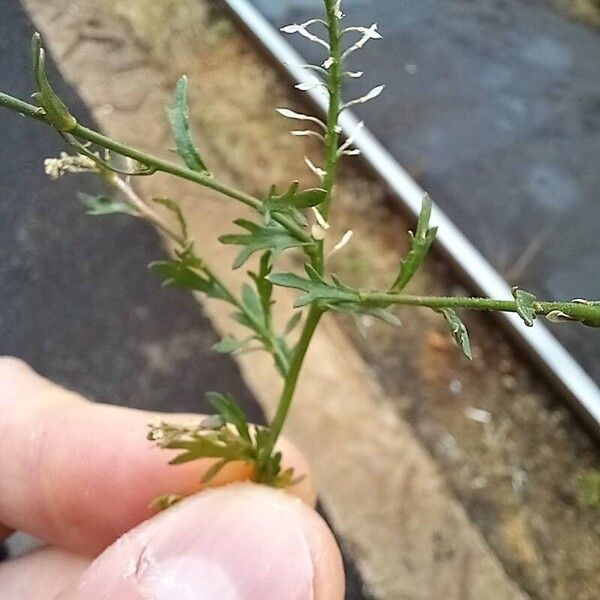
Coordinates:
<point>494,105</point>
<point>76,299</point>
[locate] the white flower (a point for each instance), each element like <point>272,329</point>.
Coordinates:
<point>343,242</point>
<point>290,114</point>
<point>320,173</point>
<point>302,29</point>
<point>368,33</point>
<point>55,167</point>
<point>345,148</point>
<point>369,96</point>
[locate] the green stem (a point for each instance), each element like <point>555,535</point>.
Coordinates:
<point>333,115</point>
<point>580,311</point>
<point>153,162</point>
<point>291,380</point>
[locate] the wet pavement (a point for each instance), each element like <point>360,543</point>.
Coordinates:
<point>494,107</point>
<point>76,298</point>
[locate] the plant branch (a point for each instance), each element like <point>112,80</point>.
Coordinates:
<point>153,162</point>
<point>291,380</point>
<point>334,85</point>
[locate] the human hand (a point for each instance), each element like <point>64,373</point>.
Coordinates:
<point>80,475</point>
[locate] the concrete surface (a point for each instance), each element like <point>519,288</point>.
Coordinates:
<point>494,106</point>
<point>76,299</point>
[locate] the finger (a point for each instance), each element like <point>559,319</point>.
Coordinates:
<point>40,575</point>
<point>239,542</point>
<point>5,532</point>
<point>78,474</point>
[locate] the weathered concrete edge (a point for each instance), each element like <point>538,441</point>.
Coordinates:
<point>384,492</point>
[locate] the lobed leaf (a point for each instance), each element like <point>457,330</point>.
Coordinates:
<point>525,305</point>
<point>272,237</point>
<point>315,287</point>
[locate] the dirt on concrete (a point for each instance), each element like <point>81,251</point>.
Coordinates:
<point>510,450</point>
<point>587,11</point>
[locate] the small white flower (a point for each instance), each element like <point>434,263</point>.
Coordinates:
<point>367,97</point>
<point>321,222</point>
<point>312,85</point>
<point>345,148</point>
<point>302,29</point>
<point>354,74</point>
<point>320,173</point>
<point>55,167</point>
<point>328,63</point>
<point>307,133</point>
<point>337,9</point>
<point>368,33</point>
<point>343,242</point>
<point>290,114</point>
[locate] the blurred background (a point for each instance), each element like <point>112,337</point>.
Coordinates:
<point>467,480</point>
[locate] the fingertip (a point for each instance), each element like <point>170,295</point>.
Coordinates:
<point>239,542</point>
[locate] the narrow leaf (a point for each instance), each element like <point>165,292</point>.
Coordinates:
<point>103,205</point>
<point>174,207</point>
<point>179,119</point>
<point>293,323</point>
<point>56,111</point>
<point>421,243</point>
<point>214,470</point>
<point>231,412</point>
<point>458,331</point>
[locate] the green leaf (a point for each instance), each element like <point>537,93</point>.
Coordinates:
<point>525,305</point>
<point>293,323</point>
<point>179,119</point>
<point>103,205</point>
<point>227,407</point>
<point>421,242</point>
<point>185,272</point>
<point>214,470</point>
<point>230,344</point>
<point>377,312</point>
<point>263,286</point>
<point>315,288</point>
<point>174,207</point>
<point>56,111</point>
<point>458,331</point>
<point>292,201</point>
<point>272,237</point>
<point>253,304</point>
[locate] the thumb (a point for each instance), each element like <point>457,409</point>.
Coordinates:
<point>239,542</point>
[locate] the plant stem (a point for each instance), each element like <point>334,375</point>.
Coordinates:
<point>291,380</point>
<point>154,162</point>
<point>317,258</point>
<point>148,213</point>
<point>333,115</point>
<point>577,310</point>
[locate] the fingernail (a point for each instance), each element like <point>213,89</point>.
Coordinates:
<point>241,542</point>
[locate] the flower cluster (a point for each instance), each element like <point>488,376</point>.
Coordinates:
<point>67,163</point>
<point>331,72</point>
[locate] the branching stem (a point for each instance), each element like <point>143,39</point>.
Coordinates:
<point>154,162</point>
